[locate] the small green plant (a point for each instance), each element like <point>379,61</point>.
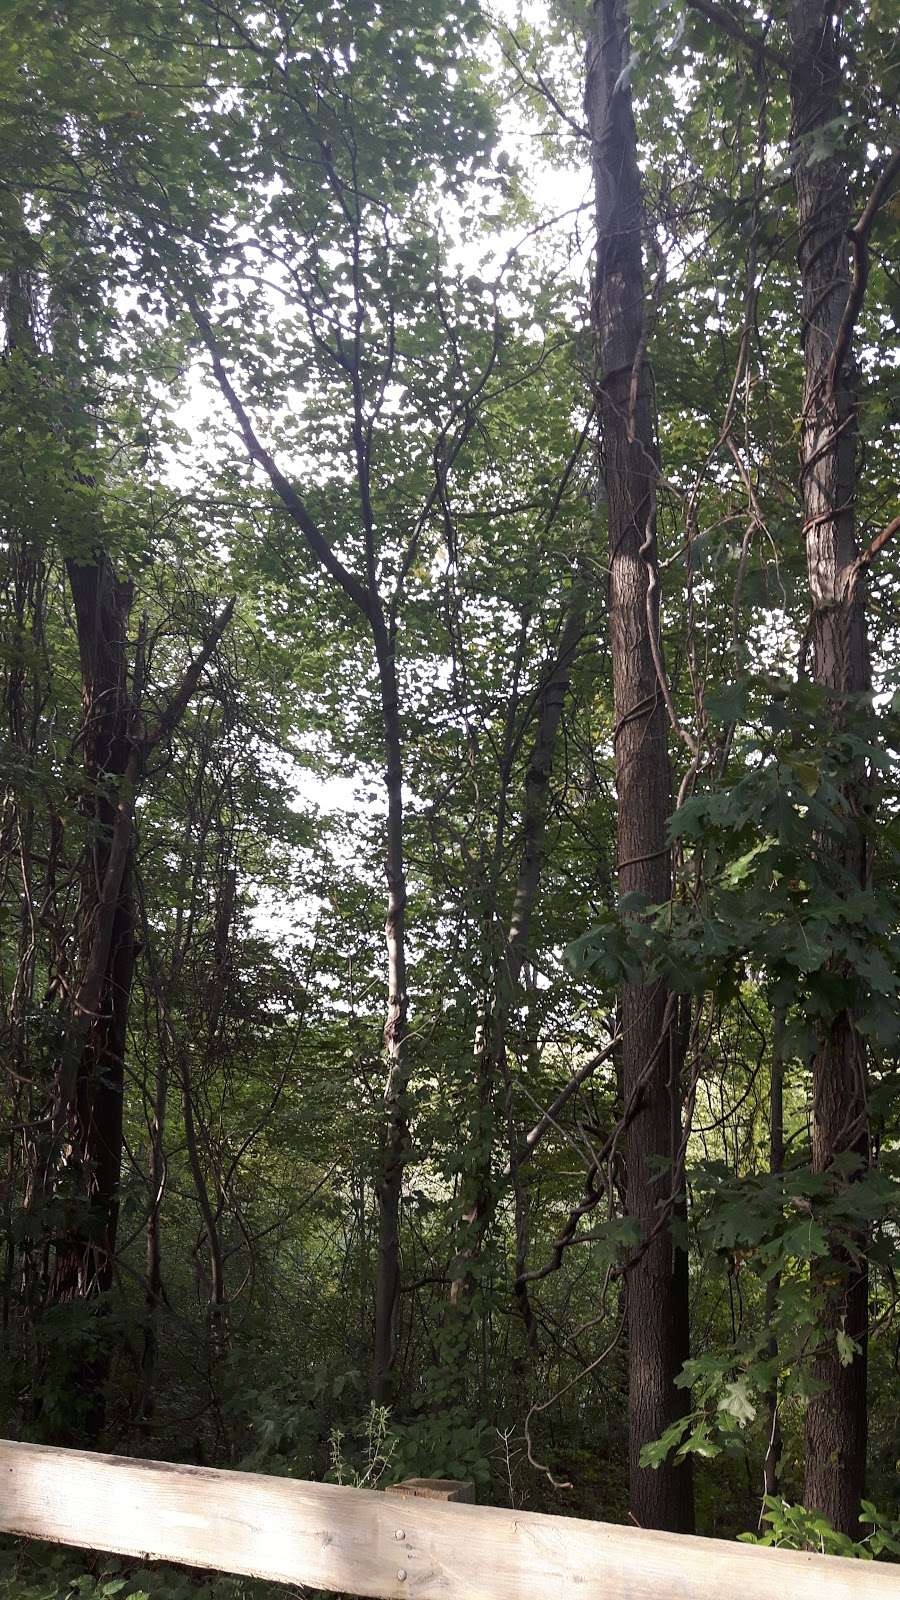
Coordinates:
<point>378,1447</point>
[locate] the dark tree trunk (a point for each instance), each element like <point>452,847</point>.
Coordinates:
<point>153,1295</point>
<point>836,1418</point>
<point>656,1291</point>
<point>94,1056</point>
<point>81,1164</point>
<point>772,1460</point>
<point>395,1138</point>
<point>87,1155</point>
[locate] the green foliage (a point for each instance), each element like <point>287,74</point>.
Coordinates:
<point>375,1456</point>
<point>778,904</point>
<point>372,206</point>
<point>792,1527</point>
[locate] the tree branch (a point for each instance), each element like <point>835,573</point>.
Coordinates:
<point>179,701</point>
<point>859,238</point>
<point>726,21</point>
<point>866,557</point>
<point>549,1118</point>
<point>293,503</point>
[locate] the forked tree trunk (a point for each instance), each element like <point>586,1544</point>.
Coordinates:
<point>656,1288</point>
<point>85,1157</point>
<point>836,1417</point>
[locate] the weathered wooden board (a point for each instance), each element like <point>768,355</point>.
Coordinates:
<point>360,1542</point>
<point>433,1489</point>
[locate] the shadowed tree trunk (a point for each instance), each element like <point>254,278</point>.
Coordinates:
<point>85,1156</point>
<point>772,1460</point>
<point>395,1128</point>
<point>836,1417</point>
<point>81,1162</point>
<point>89,1109</point>
<point>656,1290</point>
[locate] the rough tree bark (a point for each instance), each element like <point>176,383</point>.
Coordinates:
<point>656,1288</point>
<point>836,1417</point>
<point>24,701</point>
<point>80,1164</point>
<point>81,1160</point>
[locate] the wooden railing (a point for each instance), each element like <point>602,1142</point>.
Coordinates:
<point>361,1542</point>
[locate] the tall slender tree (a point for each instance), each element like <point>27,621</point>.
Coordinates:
<point>836,1416</point>
<point>650,1075</point>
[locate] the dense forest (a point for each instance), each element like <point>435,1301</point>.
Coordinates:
<point>450,801</point>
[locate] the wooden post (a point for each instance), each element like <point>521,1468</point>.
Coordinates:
<point>462,1489</point>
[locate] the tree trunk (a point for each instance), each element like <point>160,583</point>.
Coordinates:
<point>656,1296</point>
<point>395,1141</point>
<point>836,1417</point>
<point>153,1295</point>
<point>86,1253</point>
<point>772,1461</point>
<point>87,1155</point>
<point>81,1166</point>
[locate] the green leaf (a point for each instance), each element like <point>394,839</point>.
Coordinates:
<point>735,1402</point>
<point>847,1347</point>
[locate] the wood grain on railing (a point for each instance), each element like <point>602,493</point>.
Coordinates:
<point>360,1542</point>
